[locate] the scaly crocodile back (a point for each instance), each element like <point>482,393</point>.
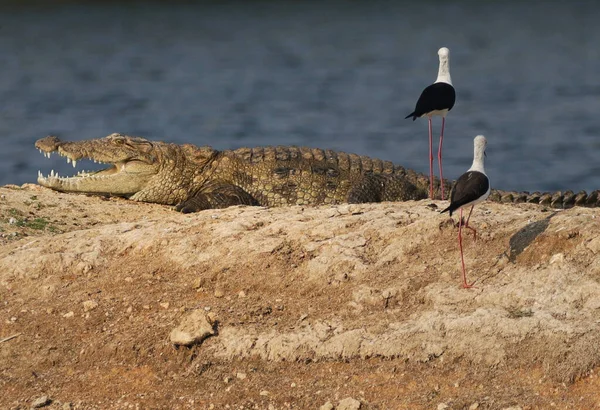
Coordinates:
<point>558,199</point>
<point>288,175</point>
<point>338,165</point>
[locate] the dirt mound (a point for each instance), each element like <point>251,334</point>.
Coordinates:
<point>309,306</point>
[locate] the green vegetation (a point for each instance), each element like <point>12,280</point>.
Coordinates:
<point>14,212</point>
<point>517,313</point>
<point>23,222</point>
<point>37,223</point>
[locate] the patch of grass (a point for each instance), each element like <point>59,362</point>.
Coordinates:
<point>37,223</point>
<point>517,313</point>
<point>14,212</point>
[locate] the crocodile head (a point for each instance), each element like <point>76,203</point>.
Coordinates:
<point>133,162</point>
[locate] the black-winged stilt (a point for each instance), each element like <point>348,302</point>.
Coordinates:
<point>436,99</point>
<point>470,188</point>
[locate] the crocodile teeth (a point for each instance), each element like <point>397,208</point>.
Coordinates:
<point>74,163</point>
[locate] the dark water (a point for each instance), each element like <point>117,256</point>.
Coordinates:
<point>339,75</point>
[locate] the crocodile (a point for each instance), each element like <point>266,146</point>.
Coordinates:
<point>195,178</point>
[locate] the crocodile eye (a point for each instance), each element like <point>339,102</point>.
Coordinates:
<point>119,141</point>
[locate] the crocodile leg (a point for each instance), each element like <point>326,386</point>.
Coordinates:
<point>216,196</point>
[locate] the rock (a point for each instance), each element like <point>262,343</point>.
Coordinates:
<point>219,293</point>
<point>241,376</point>
<point>264,393</point>
<point>442,406</point>
<point>67,406</point>
<point>594,245</point>
<point>193,329</point>
<point>42,401</point>
<point>348,404</point>
<point>326,406</point>
<point>89,305</point>
<point>513,408</point>
<point>557,258</point>
<point>474,406</point>
<point>69,314</point>
<point>12,221</point>
<point>198,283</point>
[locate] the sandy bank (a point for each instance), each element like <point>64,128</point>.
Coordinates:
<point>310,305</point>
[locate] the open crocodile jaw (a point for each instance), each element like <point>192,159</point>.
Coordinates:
<point>115,180</point>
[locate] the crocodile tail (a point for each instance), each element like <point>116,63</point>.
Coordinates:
<point>560,200</point>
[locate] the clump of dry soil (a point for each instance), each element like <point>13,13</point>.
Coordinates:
<point>326,306</point>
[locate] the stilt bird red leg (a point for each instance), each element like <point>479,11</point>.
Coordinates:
<point>440,157</point>
<point>430,160</point>
<point>462,258</point>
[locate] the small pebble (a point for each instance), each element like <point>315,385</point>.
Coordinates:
<point>348,403</point>
<point>89,305</point>
<point>12,221</point>
<point>241,376</point>
<point>326,406</point>
<point>264,393</point>
<point>474,406</point>
<point>442,406</point>
<point>219,293</point>
<point>198,283</point>
<point>69,314</point>
<point>41,402</point>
